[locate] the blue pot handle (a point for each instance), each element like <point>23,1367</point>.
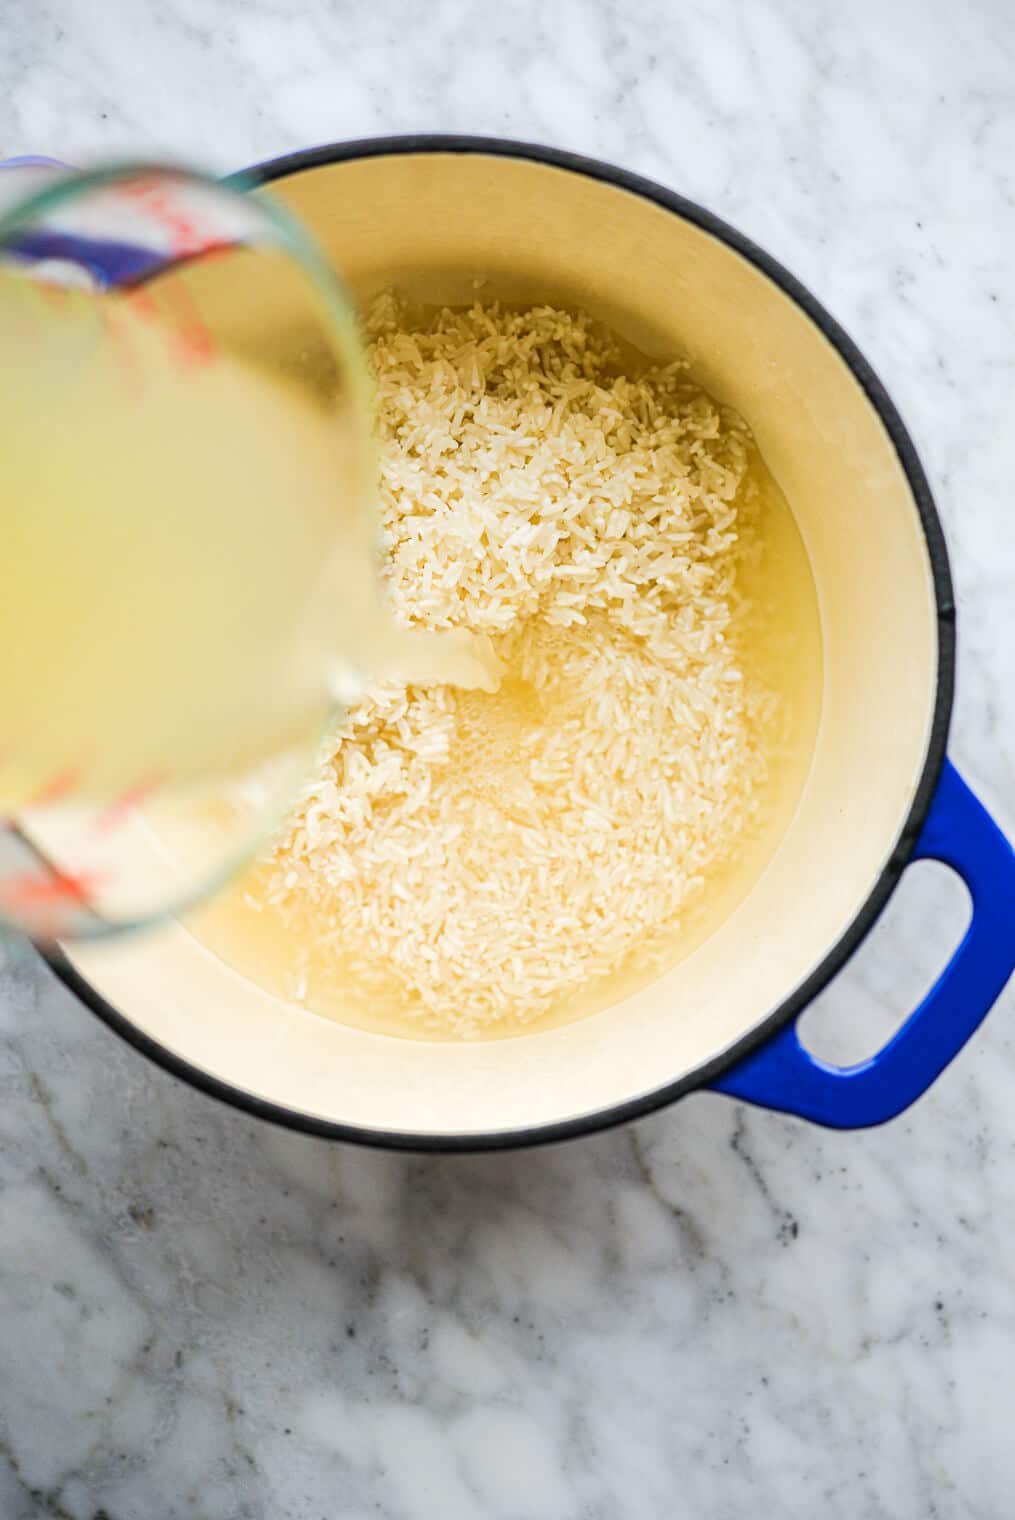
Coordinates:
<point>782,1075</point>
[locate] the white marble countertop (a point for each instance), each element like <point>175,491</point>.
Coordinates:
<point>715,1312</point>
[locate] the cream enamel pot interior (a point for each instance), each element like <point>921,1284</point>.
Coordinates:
<point>435,215</point>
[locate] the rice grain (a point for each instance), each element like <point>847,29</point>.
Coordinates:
<point>477,857</point>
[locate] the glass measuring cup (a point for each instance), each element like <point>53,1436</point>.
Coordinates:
<point>187,537</point>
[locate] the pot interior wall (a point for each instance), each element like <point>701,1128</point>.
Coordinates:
<point>437,224</point>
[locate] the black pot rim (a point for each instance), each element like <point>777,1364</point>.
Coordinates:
<point>864,920</point>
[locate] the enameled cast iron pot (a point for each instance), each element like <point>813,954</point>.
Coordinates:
<point>435,213</point>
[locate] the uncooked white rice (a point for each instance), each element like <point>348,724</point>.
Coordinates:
<point>479,858</point>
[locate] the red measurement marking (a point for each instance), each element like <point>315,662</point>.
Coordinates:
<point>29,890</point>
<point>120,342</point>
<point>51,293</point>
<point>195,346</point>
<point>216,250</point>
<point>57,788</point>
<point>126,802</point>
<point>158,201</point>
<point>176,315</point>
<point>142,305</point>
